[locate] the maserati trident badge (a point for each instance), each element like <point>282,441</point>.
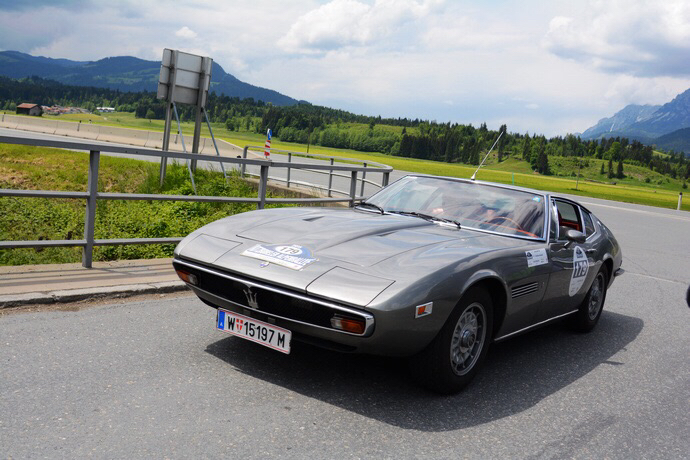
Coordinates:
<point>251,298</point>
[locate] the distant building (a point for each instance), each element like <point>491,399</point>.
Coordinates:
<point>30,109</point>
<point>105,109</point>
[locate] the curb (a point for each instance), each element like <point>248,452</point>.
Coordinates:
<point>80,295</point>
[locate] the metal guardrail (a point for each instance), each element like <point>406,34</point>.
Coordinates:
<point>92,195</point>
<point>331,174</point>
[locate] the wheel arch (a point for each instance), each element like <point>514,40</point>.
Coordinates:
<point>608,264</point>
<point>497,290</point>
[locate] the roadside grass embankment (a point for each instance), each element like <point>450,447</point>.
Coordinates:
<point>640,186</point>
<point>32,168</point>
<point>661,192</point>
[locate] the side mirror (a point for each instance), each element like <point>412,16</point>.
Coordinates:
<point>573,236</point>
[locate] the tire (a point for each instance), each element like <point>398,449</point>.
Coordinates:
<point>455,355</point>
<point>588,314</point>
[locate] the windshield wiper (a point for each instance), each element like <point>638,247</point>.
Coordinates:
<point>372,205</point>
<point>428,217</point>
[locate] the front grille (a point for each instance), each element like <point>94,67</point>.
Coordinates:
<point>258,296</point>
<point>266,301</point>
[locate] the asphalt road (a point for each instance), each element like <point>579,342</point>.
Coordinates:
<point>154,379</point>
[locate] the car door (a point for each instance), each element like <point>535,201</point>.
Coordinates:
<point>572,264</point>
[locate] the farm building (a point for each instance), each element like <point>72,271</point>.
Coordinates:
<point>29,109</point>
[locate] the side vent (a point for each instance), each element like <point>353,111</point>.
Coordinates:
<point>524,289</point>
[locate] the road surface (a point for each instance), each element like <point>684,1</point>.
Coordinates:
<point>153,378</point>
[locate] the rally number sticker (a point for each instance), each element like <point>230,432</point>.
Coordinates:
<point>580,270</point>
<point>537,257</point>
<point>291,256</point>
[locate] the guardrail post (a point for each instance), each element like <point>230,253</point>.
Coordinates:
<point>364,175</point>
<point>288,169</point>
<point>385,179</point>
<point>353,188</point>
<point>244,155</point>
<point>90,216</point>
<point>330,180</point>
<point>680,200</point>
<point>263,182</point>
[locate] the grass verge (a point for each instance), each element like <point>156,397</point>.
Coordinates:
<point>34,168</point>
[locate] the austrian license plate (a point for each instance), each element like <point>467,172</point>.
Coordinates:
<point>254,330</point>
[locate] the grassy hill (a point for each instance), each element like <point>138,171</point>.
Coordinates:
<point>641,185</point>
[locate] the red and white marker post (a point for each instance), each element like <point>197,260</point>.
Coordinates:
<point>267,146</point>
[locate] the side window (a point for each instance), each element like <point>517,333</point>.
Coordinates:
<point>589,225</point>
<point>553,228</point>
<point>568,217</point>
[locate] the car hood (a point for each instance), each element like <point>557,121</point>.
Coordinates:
<point>356,254</point>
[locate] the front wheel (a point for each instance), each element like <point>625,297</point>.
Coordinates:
<point>588,314</point>
<point>452,359</point>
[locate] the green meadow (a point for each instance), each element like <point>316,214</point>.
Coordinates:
<point>640,186</point>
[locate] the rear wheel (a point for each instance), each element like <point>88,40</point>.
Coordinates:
<point>452,359</point>
<point>591,307</point>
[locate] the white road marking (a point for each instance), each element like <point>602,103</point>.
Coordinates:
<point>641,211</point>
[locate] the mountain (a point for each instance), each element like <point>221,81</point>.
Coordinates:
<point>620,120</point>
<point>664,126</point>
<point>125,73</point>
<point>678,140</point>
<point>670,117</point>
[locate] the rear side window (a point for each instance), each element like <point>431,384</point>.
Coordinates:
<point>568,217</point>
<point>589,225</point>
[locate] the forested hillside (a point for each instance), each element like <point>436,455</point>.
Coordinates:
<point>309,124</point>
<point>124,73</point>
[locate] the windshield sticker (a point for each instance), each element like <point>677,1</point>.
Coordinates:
<point>537,199</point>
<point>290,256</point>
<point>580,269</point>
<point>537,257</point>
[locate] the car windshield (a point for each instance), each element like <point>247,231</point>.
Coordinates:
<point>473,205</point>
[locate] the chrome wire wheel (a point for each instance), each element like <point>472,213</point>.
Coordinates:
<point>468,339</point>
<point>596,297</point>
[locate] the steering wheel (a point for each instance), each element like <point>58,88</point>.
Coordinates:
<point>503,219</point>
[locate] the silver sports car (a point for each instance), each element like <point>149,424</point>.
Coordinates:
<point>429,267</point>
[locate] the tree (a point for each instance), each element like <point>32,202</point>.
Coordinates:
<point>502,142</point>
<point>619,170</point>
<point>526,147</point>
<point>610,174</point>
<point>615,152</point>
<point>540,160</point>
<point>603,171</point>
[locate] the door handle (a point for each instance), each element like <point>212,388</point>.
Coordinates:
<point>590,251</point>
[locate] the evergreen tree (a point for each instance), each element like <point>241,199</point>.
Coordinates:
<point>610,174</point>
<point>502,142</point>
<point>526,147</point>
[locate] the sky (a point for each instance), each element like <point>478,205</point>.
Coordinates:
<point>548,67</point>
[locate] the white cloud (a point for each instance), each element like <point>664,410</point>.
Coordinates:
<point>343,23</point>
<point>546,67</point>
<point>185,32</point>
<point>636,37</point>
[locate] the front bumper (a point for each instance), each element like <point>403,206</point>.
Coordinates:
<point>303,314</point>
